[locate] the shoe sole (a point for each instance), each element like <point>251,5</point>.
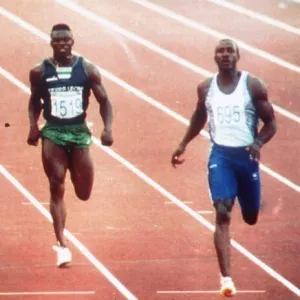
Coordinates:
<point>227,292</point>
<point>64,264</point>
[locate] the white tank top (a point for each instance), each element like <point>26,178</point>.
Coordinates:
<point>232,119</point>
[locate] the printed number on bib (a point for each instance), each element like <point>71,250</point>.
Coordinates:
<point>228,114</point>
<point>66,104</point>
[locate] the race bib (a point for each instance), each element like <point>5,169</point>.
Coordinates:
<point>66,104</point>
<point>228,114</point>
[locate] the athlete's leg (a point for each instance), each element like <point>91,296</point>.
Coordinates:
<point>249,191</point>
<point>223,190</point>
<point>222,235</point>
<point>82,172</point>
<point>55,162</point>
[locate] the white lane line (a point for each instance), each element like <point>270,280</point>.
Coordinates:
<point>14,80</point>
<point>117,228</point>
<point>133,90</point>
<point>195,25</point>
<point>210,292</point>
<point>257,16</point>
<point>29,203</point>
<point>205,212</point>
<point>47,293</point>
<point>132,36</point>
<point>286,113</point>
<point>97,264</point>
<point>141,41</point>
<point>188,210</point>
<point>185,202</point>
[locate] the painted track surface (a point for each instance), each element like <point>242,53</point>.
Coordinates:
<point>148,243</point>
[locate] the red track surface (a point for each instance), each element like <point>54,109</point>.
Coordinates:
<point>148,243</point>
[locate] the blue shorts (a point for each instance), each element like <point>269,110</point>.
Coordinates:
<point>231,174</point>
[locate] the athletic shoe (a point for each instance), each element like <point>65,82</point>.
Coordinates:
<point>64,255</point>
<point>227,287</point>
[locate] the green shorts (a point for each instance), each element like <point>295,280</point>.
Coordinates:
<point>78,136</point>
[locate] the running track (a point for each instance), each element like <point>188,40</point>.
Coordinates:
<point>141,236</point>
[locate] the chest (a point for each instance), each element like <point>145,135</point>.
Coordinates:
<point>228,109</point>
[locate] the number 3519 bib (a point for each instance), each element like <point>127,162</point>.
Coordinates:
<point>66,104</point>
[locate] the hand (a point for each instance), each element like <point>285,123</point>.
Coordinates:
<point>33,136</point>
<point>106,138</point>
<point>254,150</point>
<point>175,160</point>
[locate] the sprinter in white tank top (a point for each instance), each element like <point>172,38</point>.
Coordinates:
<point>232,102</point>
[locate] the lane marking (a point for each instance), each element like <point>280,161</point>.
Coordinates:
<point>172,56</point>
<point>172,198</point>
<point>205,212</point>
<point>257,16</point>
<point>195,25</point>
<point>185,202</point>
<point>46,293</point>
<point>209,292</point>
<point>117,228</point>
<point>94,261</point>
<point>29,203</point>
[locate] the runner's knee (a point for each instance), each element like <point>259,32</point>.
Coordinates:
<point>250,218</point>
<point>83,191</point>
<point>83,183</point>
<point>57,187</point>
<point>84,196</point>
<point>223,210</point>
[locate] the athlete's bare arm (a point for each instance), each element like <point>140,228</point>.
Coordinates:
<point>35,104</point>
<point>265,112</point>
<point>104,103</point>
<point>197,122</point>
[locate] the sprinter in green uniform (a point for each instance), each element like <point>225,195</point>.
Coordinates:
<point>60,87</point>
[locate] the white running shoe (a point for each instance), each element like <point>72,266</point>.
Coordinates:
<point>227,287</point>
<point>64,255</point>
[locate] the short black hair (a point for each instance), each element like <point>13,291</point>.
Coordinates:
<point>233,42</point>
<point>60,26</point>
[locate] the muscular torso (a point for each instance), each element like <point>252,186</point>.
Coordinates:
<point>65,92</point>
<point>231,113</point>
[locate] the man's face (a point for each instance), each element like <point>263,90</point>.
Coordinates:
<point>62,42</point>
<point>226,55</point>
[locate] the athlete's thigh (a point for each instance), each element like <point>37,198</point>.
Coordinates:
<point>55,160</point>
<point>249,187</point>
<point>81,168</point>
<point>221,179</point>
